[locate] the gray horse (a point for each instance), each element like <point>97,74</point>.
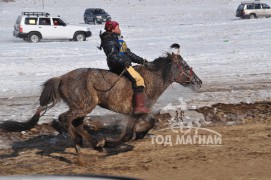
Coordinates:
<point>83,89</point>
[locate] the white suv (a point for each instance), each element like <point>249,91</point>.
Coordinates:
<point>34,26</point>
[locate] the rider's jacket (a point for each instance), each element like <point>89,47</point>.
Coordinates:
<point>117,53</point>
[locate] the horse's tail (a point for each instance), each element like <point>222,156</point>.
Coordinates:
<point>50,94</point>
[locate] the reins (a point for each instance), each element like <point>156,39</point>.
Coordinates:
<point>180,75</point>
<point>112,84</point>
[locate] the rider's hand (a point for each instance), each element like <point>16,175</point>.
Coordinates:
<point>127,64</point>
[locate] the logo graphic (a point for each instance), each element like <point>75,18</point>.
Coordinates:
<point>186,125</point>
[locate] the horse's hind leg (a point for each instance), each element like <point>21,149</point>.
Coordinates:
<point>74,126</point>
<point>77,139</point>
<point>86,138</point>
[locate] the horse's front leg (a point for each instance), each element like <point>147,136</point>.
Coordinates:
<point>127,134</point>
<point>143,126</point>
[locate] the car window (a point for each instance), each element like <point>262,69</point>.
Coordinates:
<point>265,6</point>
<point>250,6</point>
<point>89,11</point>
<point>99,11</point>
<point>18,20</point>
<point>240,7</point>
<point>44,21</point>
<point>58,22</point>
<point>31,21</point>
<point>258,6</point>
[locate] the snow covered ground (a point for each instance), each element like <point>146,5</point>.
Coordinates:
<point>230,55</point>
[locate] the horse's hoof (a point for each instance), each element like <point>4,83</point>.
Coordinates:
<point>133,137</point>
<point>77,148</point>
<point>100,149</point>
<point>101,143</point>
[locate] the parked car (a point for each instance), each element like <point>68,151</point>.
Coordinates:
<point>96,16</point>
<point>253,10</point>
<point>34,26</point>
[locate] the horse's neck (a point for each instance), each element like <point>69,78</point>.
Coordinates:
<point>154,83</point>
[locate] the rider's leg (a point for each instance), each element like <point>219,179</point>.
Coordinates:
<point>138,86</point>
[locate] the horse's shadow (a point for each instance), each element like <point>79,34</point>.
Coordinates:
<point>44,144</point>
<point>55,146</point>
<point>117,135</point>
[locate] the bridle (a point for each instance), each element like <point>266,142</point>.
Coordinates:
<point>183,73</point>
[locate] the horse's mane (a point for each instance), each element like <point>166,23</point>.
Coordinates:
<point>164,63</point>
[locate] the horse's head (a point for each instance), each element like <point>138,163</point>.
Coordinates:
<point>175,69</point>
<point>183,74</point>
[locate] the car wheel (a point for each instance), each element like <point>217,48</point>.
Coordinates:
<point>79,36</point>
<point>86,21</point>
<point>34,37</point>
<point>252,16</point>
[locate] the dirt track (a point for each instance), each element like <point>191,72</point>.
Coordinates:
<point>245,152</point>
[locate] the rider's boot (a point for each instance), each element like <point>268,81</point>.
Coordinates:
<point>140,104</point>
